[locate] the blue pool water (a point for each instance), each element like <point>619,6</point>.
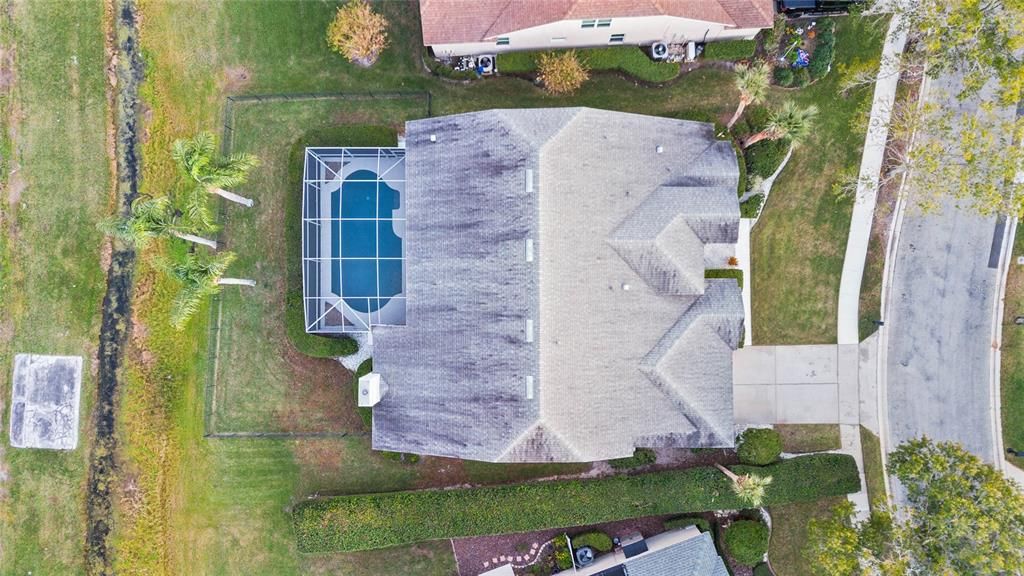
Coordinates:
<point>369,281</point>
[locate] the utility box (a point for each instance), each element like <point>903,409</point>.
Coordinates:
<point>371,389</point>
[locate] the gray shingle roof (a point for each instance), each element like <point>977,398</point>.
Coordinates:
<point>631,346</point>
<point>693,557</point>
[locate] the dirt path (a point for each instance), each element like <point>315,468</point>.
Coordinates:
<point>117,300</point>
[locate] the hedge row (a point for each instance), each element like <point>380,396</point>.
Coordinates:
<point>730,50</point>
<point>369,521</point>
<point>628,59</point>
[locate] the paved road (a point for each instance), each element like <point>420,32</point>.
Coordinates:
<point>939,322</point>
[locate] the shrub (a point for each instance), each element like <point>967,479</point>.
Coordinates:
<point>763,570</point>
<point>365,413</point>
<point>730,50</point>
<point>759,446</point>
<point>763,158</point>
<point>563,556</point>
<point>369,521</point>
<point>640,457</point>
<point>783,76</point>
<point>741,183</point>
<point>752,206</point>
<point>445,71</point>
<point>801,77</point>
<point>746,541</point>
<point>358,33</point>
<point>820,62</point>
<point>597,540</point>
<point>561,72</point>
<point>684,521</point>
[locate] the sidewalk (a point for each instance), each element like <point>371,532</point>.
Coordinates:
<point>871,165</point>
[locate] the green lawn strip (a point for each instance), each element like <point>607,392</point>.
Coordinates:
<point>423,559</point>
<point>1012,356</point>
<point>799,242</point>
<point>730,50</point>
<point>51,281</point>
<point>874,471</point>
<point>627,59</point>
<point>369,521</point>
<point>490,473</point>
<point>734,273</point>
<point>801,438</point>
<point>789,535</point>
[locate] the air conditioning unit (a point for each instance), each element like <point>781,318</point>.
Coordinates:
<point>659,51</point>
<point>485,64</point>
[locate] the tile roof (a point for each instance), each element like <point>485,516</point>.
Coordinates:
<point>457,21</point>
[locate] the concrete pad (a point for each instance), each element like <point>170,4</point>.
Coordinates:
<point>849,385</point>
<point>754,404</point>
<point>44,401</point>
<point>814,364</point>
<point>753,365</point>
<point>807,403</point>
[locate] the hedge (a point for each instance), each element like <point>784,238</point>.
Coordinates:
<point>627,59</point>
<point>759,446</point>
<point>752,206</point>
<point>640,457</point>
<point>683,521</point>
<point>763,158</point>
<point>370,521</point>
<point>746,541</point>
<point>599,541</point>
<point>730,50</point>
<point>295,321</point>
<point>735,273</point>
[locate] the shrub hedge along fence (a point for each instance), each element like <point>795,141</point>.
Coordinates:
<point>370,521</point>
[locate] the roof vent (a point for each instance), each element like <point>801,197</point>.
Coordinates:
<point>626,286</point>
<point>529,249</point>
<point>529,329</point>
<point>433,137</point>
<point>659,149</point>
<point>529,180</point>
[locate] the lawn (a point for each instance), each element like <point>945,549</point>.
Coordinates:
<point>801,438</point>
<point>627,59</point>
<point>1012,369</point>
<point>789,535</point>
<point>798,244</point>
<point>56,182</point>
<point>874,470</point>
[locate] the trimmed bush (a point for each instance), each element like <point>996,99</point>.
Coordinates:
<point>746,541</point>
<point>820,61</point>
<point>358,33</point>
<point>759,446</point>
<point>561,72</point>
<point>597,540</point>
<point>730,50</point>
<point>752,206</point>
<point>783,76</point>
<point>684,521</point>
<point>640,457</point>
<point>763,159</point>
<point>734,273</point>
<point>369,521</point>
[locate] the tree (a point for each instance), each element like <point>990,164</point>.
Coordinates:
<point>961,517</point>
<point>198,159</point>
<point>748,487</point>
<point>562,72</point>
<point>789,121</point>
<point>981,40</point>
<point>752,83</point>
<point>199,277</point>
<point>149,219</point>
<point>358,33</point>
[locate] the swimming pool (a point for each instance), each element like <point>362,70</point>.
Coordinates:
<point>366,253</point>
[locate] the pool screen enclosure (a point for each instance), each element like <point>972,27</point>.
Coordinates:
<point>353,224</point>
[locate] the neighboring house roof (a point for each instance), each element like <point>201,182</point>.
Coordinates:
<point>631,346</point>
<point>460,21</point>
<point>681,552</point>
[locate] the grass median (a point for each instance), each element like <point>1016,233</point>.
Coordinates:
<point>369,521</point>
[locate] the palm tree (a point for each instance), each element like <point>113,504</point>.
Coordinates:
<point>752,82</point>
<point>749,487</point>
<point>197,157</point>
<point>148,219</point>
<point>199,278</point>
<point>790,122</point>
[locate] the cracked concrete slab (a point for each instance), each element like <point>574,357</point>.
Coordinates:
<point>45,396</point>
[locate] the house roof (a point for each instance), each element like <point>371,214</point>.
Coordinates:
<point>693,557</point>
<point>458,21</point>
<point>631,346</point>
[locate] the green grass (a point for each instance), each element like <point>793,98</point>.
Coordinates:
<point>730,50</point>
<point>368,521</point>
<point>800,239</point>
<point>489,473</point>
<point>789,535</point>
<point>1012,363</point>
<point>626,59</point>
<point>874,471</point>
<point>802,438</point>
<point>51,282</point>
<point>734,273</point>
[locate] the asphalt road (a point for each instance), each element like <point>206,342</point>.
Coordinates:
<point>939,322</point>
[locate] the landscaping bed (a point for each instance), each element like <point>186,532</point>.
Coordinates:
<point>626,59</point>
<point>369,521</point>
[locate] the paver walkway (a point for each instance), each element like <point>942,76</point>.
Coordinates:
<point>867,189</point>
